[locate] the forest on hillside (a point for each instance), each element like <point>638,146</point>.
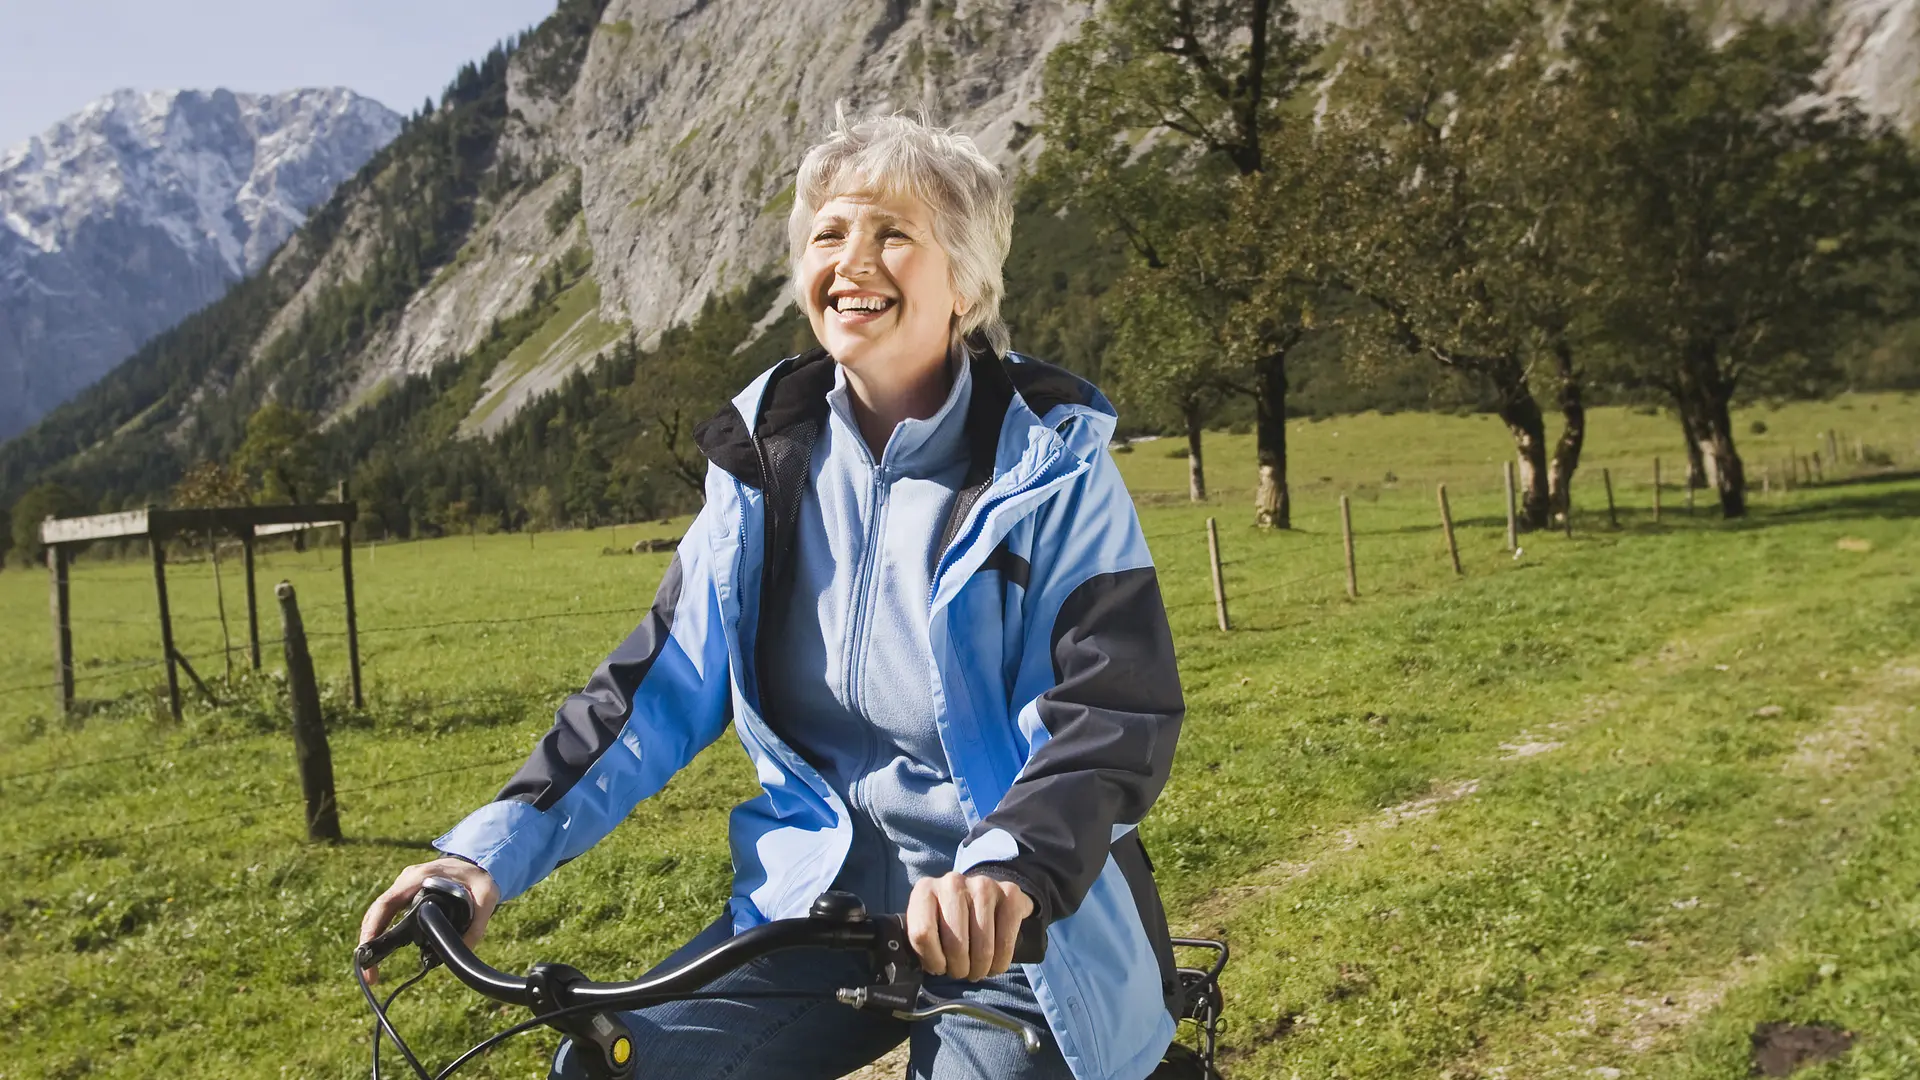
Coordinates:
<point>1230,222</point>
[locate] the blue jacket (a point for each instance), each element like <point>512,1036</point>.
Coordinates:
<point>1056,694</point>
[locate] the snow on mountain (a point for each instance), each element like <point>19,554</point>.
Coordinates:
<point>144,206</point>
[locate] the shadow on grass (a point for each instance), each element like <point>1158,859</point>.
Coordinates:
<point>388,842</point>
<point>1853,499</point>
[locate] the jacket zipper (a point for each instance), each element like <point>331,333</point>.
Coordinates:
<point>979,515</point>
<point>855,667</point>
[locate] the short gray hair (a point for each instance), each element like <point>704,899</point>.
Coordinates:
<point>971,202</point>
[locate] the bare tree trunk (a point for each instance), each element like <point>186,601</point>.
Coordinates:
<point>1272,505</point>
<point>1573,432</point>
<point>1529,429</point>
<point>1729,475</point>
<point>1706,399</point>
<point>1196,468</point>
<point>1695,438</point>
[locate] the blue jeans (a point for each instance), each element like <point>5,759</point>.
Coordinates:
<point>775,1039</point>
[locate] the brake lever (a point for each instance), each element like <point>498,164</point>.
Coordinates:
<point>449,895</point>
<point>930,1006</point>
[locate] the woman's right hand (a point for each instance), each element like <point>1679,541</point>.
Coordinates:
<point>479,883</point>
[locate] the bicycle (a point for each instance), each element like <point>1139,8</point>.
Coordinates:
<point>564,999</point>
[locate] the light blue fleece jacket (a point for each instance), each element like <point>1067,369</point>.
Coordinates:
<point>849,679</point>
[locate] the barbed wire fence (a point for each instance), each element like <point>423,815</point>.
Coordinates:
<point>1334,555</point>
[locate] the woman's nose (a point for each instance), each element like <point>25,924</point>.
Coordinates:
<point>859,257</point>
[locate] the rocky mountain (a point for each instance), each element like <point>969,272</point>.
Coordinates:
<point>142,207</point>
<point>604,178</point>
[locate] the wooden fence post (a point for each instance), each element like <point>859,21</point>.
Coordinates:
<point>1513,524</point>
<point>220,599</point>
<point>1819,474</point>
<point>1656,491</point>
<point>1219,578</point>
<point>310,749</point>
<point>353,618</point>
<point>1346,534</point>
<point>1833,448</point>
<point>62,628</point>
<point>1446,525</point>
<point>158,545</point>
<point>253,601</point>
<point>1613,515</point>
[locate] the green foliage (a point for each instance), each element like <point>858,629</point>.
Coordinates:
<point>212,484</point>
<point>1061,263</point>
<point>42,501</point>
<point>1158,119</point>
<point>281,455</point>
<point>1745,221</point>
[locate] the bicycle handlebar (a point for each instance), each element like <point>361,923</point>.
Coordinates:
<point>442,910</point>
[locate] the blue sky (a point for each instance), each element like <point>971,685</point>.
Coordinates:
<point>57,55</point>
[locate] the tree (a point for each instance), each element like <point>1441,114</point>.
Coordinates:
<point>1152,117</point>
<point>211,484</point>
<point>6,537</point>
<point>1465,228</point>
<point>543,510</point>
<point>1741,205</point>
<point>48,500</point>
<point>1165,354</point>
<point>585,497</point>
<point>453,518</point>
<point>281,455</point>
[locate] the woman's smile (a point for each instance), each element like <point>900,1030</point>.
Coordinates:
<point>860,308</point>
<point>878,284</point>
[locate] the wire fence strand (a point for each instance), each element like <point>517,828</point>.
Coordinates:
<point>237,812</point>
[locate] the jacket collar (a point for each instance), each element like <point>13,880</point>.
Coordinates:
<point>789,402</point>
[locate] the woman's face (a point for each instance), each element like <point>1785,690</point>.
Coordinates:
<point>879,290</point>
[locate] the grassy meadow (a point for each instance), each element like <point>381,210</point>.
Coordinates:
<point>1599,809</point>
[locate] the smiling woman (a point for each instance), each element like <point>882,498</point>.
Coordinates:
<point>899,232</point>
<point>920,592</point>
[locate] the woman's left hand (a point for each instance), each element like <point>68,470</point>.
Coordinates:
<point>964,927</point>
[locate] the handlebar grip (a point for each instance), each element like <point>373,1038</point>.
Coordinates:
<point>368,954</point>
<point>446,894</point>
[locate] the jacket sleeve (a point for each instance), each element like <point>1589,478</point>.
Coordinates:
<point>657,701</point>
<point>1103,725</point>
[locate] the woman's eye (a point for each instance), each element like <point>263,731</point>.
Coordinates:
<point>824,235</point>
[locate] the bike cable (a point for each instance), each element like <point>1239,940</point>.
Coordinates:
<point>380,1022</point>
<point>383,1024</point>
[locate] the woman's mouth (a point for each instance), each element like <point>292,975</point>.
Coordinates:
<point>855,310</point>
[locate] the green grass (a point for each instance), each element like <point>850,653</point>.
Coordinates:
<point>1608,805</point>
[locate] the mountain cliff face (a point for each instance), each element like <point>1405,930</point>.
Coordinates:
<point>636,159</point>
<point>682,132</point>
<point>687,119</point>
<point>143,207</point>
